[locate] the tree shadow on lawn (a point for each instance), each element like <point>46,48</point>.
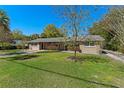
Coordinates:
<point>89,58</point>
<point>65,75</point>
<point>120,68</point>
<point>23,57</point>
<point>13,53</point>
<point>94,58</point>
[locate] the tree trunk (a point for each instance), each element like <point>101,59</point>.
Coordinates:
<point>75,48</point>
<point>75,54</point>
<point>2,45</point>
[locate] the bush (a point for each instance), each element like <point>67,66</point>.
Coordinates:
<point>121,50</point>
<point>71,47</point>
<point>19,47</point>
<point>5,46</point>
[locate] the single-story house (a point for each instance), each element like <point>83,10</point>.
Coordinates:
<point>91,44</point>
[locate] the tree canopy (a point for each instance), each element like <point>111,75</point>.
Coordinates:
<point>34,36</point>
<point>17,34</point>
<point>101,29</point>
<point>51,31</point>
<point>111,28</point>
<point>74,17</point>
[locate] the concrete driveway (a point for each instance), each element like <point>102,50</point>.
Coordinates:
<point>115,55</point>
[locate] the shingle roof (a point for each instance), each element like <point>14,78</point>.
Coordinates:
<point>58,39</point>
<point>61,39</point>
<point>93,38</point>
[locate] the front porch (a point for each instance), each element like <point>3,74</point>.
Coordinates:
<point>47,46</point>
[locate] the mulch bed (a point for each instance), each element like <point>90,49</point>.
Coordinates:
<point>73,58</point>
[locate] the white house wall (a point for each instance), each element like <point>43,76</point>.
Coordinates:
<point>90,49</point>
<point>34,46</point>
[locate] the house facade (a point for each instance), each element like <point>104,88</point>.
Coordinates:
<point>47,44</point>
<point>91,44</point>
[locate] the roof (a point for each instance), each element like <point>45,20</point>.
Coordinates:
<point>93,38</point>
<point>58,39</point>
<point>61,39</point>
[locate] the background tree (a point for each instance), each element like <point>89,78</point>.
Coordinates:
<point>17,34</point>
<point>51,31</point>
<point>34,36</point>
<point>19,38</point>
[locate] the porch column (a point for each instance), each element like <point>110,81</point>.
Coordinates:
<point>42,45</point>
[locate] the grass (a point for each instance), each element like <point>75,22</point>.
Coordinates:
<point>53,69</point>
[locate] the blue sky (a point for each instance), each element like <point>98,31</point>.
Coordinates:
<point>31,19</point>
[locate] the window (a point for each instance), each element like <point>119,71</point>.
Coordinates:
<point>86,43</point>
<point>89,43</point>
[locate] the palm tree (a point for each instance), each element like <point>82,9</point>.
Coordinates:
<point>5,33</point>
<point>4,19</point>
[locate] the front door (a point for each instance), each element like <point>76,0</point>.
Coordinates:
<point>41,46</point>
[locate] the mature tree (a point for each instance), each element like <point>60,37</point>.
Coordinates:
<point>74,17</point>
<point>112,28</point>
<point>100,28</point>
<point>51,31</point>
<point>4,19</point>
<point>19,38</point>
<point>5,33</point>
<point>115,24</point>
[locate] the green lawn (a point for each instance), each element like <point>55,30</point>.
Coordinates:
<point>53,69</point>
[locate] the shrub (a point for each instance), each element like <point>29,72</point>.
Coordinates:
<point>4,46</point>
<point>121,50</point>
<point>72,48</point>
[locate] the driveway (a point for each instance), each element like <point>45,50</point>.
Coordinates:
<point>111,54</point>
<point>115,55</point>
